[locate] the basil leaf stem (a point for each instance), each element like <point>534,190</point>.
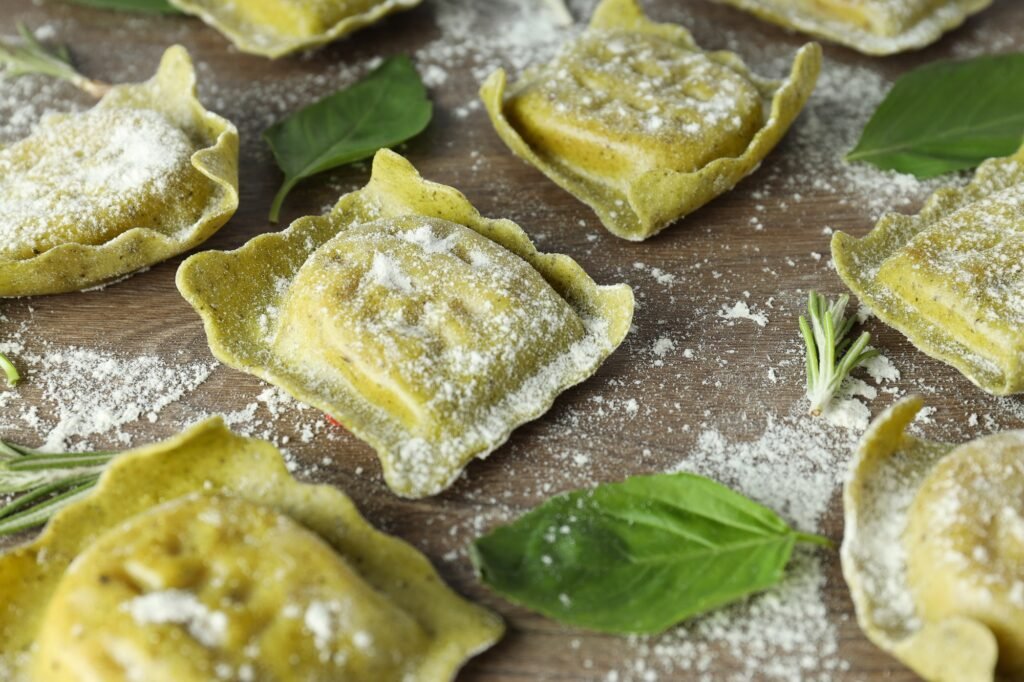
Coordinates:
<point>10,371</point>
<point>386,108</point>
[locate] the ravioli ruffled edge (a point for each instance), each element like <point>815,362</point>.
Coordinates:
<point>658,198</point>
<point>957,649</point>
<point>925,32</point>
<point>857,261</point>
<point>231,290</point>
<point>73,267</point>
<point>209,459</point>
<point>243,35</point>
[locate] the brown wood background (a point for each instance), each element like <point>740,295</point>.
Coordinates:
<point>715,254</point>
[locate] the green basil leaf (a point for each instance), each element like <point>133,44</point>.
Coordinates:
<point>947,116</point>
<point>386,108</point>
<point>637,556</point>
<point>157,6</point>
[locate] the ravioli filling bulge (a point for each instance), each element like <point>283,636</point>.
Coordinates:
<point>965,541</point>
<point>89,177</point>
<point>965,273</point>
<point>425,319</point>
<point>207,588</point>
<point>300,18</point>
<point>617,104</point>
<point>883,17</point>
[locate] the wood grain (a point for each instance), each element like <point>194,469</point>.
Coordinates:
<point>715,254</point>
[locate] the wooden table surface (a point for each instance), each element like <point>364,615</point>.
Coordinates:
<point>765,244</point>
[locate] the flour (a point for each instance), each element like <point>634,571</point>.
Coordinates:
<point>93,393</point>
<point>179,607</point>
<point>741,311</point>
<point>88,177</point>
<point>796,468</point>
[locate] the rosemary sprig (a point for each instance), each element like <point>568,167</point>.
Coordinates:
<point>31,56</point>
<point>44,483</point>
<point>830,355</point>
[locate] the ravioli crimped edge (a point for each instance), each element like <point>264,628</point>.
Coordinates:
<point>209,459</point>
<point>73,266</point>
<point>231,290</point>
<point>657,198</point>
<point>956,649</point>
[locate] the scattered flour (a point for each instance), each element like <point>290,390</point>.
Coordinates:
<point>741,311</point>
<point>846,409</point>
<point>97,393</point>
<point>796,468</point>
<point>881,369</point>
<point>179,607</point>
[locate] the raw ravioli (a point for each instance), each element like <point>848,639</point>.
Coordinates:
<point>200,558</point>
<point>950,278</point>
<point>932,549</point>
<point>427,330</point>
<point>274,28</point>
<point>90,197</point>
<point>877,27</point>
<point>638,122</point>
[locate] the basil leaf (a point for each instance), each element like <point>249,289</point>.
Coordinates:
<point>947,116</point>
<point>637,556</point>
<point>157,6</point>
<point>386,108</point>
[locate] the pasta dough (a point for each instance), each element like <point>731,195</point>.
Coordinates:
<point>932,549</point>
<point>965,541</point>
<point>637,121</point>
<point>877,27</point>
<point>410,339</point>
<point>201,558</point>
<point>93,196</point>
<point>950,277</point>
<point>274,28</point>
<point>427,330</point>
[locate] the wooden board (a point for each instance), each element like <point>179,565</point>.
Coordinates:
<point>764,244</point>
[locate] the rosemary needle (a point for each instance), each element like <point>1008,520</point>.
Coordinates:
<point>830,355</point>
<point>44,483</point>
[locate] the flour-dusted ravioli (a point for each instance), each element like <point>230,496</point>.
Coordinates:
<point>877,27</point>
<point>274,28</point>
<point>639,123</point>
<point>950,278</point>
<point>200,558</point>
<point>90,197</point>
<point>933,547</point>
<point>427,330</point>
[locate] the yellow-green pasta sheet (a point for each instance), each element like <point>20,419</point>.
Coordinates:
<point>875,27</point>
<point>929,549</point>
<point>950,278</point>
<point>429,331</point>
<point>274,28</point>
<point>638,122</point>
<point>91,197</point>
<point>134,539</point>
